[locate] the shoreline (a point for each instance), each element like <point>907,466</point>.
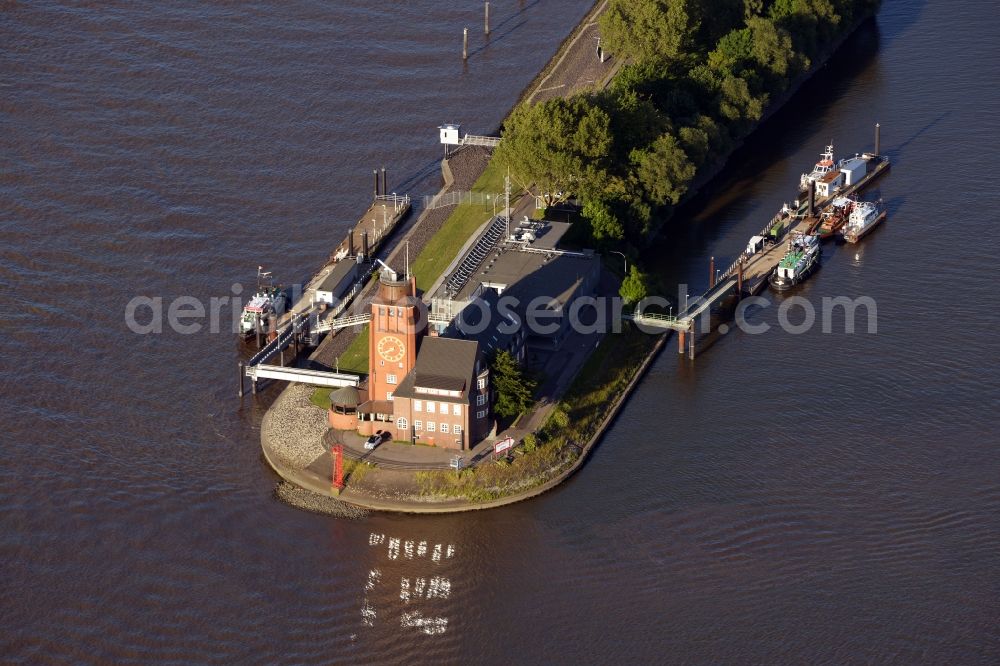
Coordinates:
<point>313,482</point>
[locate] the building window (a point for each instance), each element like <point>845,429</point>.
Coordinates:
<point>401,425</point>
<point>418,405</point>
<point>381,362</point>
<point>391,379</point>
<point>457,430</point>
<point>444,428</point>
<point>480,400</point>
<point>388,395</point>
<point>444,407</point>
<point>431,407</point>
<point>381,310</point>
<point>418,425</point>
<point>481,414</point>
<point>456,410</point>
<point>481,383</point>
<point>430,426</point>
<point>392,312</point>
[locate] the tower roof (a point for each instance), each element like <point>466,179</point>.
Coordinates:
<point>345,396</point>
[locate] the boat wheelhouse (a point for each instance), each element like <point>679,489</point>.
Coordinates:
<point>822,169</point>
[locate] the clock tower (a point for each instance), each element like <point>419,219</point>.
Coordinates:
<point>393,336</point>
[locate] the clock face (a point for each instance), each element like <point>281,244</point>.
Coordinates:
<point>391,348</point>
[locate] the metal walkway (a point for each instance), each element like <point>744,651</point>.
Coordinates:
<point>303,376</point>
<point>334,324</point>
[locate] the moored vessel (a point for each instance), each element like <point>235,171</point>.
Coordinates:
<point>834,218</point>
<point>821,169</point>
<point>865,216</point>
<point>269,302</point>
<point>799,261</point>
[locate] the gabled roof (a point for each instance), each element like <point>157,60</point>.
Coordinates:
<point>445,363</point>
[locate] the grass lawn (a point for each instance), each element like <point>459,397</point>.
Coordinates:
<point>460,225</point>
<point>355,357</point>
<point>321,398</point>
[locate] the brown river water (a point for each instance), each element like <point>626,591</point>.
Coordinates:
<point>818,497</point>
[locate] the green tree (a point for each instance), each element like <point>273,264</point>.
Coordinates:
<point>635,286</point>
<point>513,388</point>
<point>663,170</point>
<point>604,224</point>
<point>650,30</point>
<point>559,145</point>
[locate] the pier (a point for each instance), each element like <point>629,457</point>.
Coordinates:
<point>749,272</point>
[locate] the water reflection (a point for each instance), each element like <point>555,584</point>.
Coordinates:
<point>417,566</point>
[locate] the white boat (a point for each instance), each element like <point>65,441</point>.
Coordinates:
<point>798,263</point>
<point>865,216</point>
<point>822,168</point>
<point>269,300</point>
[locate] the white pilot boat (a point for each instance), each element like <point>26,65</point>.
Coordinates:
<point>865,216</point>
<point>819,171</point>
<point>267,301</point>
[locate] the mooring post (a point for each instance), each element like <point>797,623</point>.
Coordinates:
<point>739,280</point>
<point>257,328</point>
<point>465,44</point>
<point>375,176</point>
<point>384,190</point>
<point>272,325</point>
<point>878,139</point>
<point>711,272</point>
<point>681,342</point>
<point>241,378</point>
<point>253,385</point>
<point>812,199</point>
<point>487,18</point>
<point>691,349</point>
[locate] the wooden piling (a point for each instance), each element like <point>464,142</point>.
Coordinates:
<point>681,341</point>
<point>257,327</point>
<point>691,342</point>
<point>487,27</point>
<point>384,189</point>
<point>878,138</point>
<point>465,44</point>
<point>739,280</point>
<point>711,272</point>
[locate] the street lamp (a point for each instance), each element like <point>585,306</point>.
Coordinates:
<point>624,258</point>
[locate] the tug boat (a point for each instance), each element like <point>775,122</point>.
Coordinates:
<point>269,300</point>
<point>865,216</point>
<point>820,170</point>
<point>834,218</point>
<point>798,263</point>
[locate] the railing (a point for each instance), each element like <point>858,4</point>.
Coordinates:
<point>343,322</point>
<point>477,140</point>
<point>399,201</point>
<point>298,321</point>
<point>442,199</point>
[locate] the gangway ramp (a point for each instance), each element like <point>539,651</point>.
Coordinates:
<point>302,376</point>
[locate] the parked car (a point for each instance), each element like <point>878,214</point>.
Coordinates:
<point>375,440</point>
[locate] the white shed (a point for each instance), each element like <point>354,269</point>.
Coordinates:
<point>853,170</point>
<point>449,134</point>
